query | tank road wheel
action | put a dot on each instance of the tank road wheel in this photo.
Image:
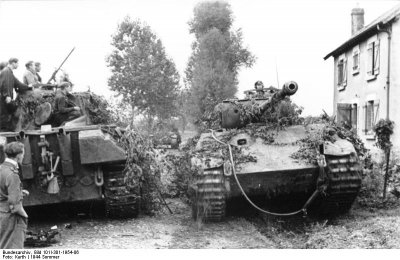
(344, 183)
(208, 198)
(121, 202)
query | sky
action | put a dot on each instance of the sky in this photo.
(288, 37)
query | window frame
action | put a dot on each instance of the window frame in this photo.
(371, 106)
(347, 111)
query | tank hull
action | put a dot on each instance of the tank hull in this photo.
(267, 170)
(74, 164)
(72, 189)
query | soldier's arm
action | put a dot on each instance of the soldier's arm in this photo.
(3, 86)
(62, 105)
(3, 90)
(13, 184)
(19, 86)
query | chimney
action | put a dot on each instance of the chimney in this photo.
(357, 20)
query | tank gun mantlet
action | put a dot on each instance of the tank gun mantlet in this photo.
(263, 93)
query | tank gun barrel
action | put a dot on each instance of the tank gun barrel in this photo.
(288, 89)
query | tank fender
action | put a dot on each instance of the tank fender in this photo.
(3, 141)
(27, 169)
(64, 141)
(339, 148)
(98, 147)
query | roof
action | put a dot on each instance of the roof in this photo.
(367, 31)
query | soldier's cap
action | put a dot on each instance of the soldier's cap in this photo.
(12, 60)
(13, 149)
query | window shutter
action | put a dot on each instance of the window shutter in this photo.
(376, 58)
(365, 118)
(370, 116)
(340, 72)
(356, 61)
(354, 116)
(376, 111)
(369, 58)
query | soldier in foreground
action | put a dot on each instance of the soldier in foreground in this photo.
(13, 218)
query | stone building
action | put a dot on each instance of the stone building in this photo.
(367, 75)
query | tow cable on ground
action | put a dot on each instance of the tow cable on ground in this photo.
(320, 189)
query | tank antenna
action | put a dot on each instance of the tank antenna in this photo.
(277, 75)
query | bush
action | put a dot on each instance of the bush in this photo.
(373, 181)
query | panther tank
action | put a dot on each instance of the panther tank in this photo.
(248, 161)
(75, 162)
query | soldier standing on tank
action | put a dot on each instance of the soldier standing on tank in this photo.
(8, 82)
(30, 77)
(13, 217)
(65, 110)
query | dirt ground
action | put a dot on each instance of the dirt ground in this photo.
(358, 229)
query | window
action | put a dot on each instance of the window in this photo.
(341, 73)
(347, 115)
(356, 60)
(373, 59)
(371, 112)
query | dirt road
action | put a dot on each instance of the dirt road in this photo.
(161, 231)
(358, 229)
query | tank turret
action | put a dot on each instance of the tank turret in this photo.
(262, 97)
(36, 107)
(73, 162)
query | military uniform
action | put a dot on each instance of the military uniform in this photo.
(64, 109)
(12, 226)
(8, 82)
(30, 77)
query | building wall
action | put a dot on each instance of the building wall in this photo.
(394, 99)
(359, 90)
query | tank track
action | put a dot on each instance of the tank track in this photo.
(120, 202)
(344, 183)
(209, 198)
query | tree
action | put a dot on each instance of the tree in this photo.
(142, 73)
(218, 54)
(383, 130)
